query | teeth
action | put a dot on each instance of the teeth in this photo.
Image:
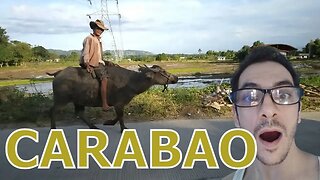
(270, 136)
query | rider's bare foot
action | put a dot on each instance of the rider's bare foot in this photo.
(106, 108)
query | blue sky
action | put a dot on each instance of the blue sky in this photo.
(166, 26)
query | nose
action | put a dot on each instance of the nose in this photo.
(268, 108)
(174, 79)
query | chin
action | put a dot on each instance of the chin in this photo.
(271, 158)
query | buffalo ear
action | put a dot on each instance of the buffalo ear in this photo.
(150, 74)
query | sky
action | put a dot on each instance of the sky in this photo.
(163, 26)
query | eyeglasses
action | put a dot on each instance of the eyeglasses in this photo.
(250, 97)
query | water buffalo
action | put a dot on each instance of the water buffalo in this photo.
(76, 85)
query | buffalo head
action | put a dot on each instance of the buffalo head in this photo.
(158, 75)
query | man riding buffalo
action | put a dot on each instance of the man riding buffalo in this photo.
(92, 58)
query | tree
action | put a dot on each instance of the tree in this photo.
(230, 54)
(5, 52)
(162, 57)
(63, 57)
(257, 43)
(4, 39)
(6, 55)
(313, 48)
(107, 55)
(74, 56)
(317, 47)
(242, 53)
(21, 52)
(53, 56)
(175, 57)
(40, 53)
(209, 53)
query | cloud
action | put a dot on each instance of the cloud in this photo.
(172, 26)
(50, 19)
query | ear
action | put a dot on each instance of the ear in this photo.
(299, 113)
(235, 116)
(150, 74)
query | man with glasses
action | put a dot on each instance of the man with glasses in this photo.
(92, 58)
(267, 102)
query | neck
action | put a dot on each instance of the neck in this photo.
(142, 83)
(290, 168)
(95, 35)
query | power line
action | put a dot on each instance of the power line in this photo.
(105, 15)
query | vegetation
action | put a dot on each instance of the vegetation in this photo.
(23, 81)
(20, 63)
(17, 106)
(311, 99)
(15, 53)
(313, 48)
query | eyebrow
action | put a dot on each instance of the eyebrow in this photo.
(284, 83)
(248, 84)
(254, 85)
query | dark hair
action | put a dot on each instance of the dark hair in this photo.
(263, 54)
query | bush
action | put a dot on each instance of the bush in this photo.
(17, 106)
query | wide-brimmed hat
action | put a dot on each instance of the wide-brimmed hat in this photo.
(97, 23)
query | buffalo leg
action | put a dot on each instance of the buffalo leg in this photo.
(52, 117)
(79, 112)
(119, 117)
(54, 112)
(119, 112)
(111, 122)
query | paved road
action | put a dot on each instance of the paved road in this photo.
(308, 134)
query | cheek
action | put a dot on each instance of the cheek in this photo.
(290, 117)
(289, 114)
(247, 118)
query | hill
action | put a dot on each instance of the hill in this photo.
(126, 52)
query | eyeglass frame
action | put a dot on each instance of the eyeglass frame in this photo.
(300, 94)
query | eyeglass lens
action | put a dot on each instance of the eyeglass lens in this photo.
(253, 97)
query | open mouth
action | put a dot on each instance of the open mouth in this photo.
(270, 136)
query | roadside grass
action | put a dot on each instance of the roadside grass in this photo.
(311, 81)
(31, 70)
(23, 81)
(17, 106)
(311, 101)
(188, 70)
(178, 103)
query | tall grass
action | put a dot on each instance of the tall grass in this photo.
(18, 106)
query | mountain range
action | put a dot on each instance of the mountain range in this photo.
(125, 52)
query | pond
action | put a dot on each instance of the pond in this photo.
(183, 82)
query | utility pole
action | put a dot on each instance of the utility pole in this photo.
(105, 15)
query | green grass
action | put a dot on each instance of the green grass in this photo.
(16, 106)
(311, 80)
(29, 70)
(23, 81)
(153, 104)
(189, 70)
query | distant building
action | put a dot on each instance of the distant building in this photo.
(303, 56)
(284, 48)
(221, 58)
